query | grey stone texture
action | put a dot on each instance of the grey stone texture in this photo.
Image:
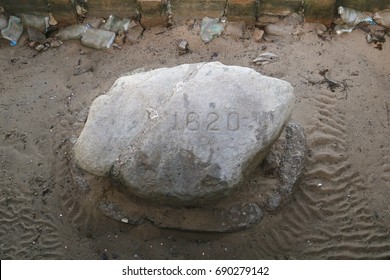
(234, 218)
(290, 166)
(186, 135)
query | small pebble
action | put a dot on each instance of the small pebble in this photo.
(56, 44)
(120, 38)
(39, 47)
(52, 20)
(320, 29)
(183, 47)
(116, 46)
(258, 34)
(369, 38)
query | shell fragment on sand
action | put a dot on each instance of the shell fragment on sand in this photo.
(265, 58)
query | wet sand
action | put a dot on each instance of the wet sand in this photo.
(339, 210)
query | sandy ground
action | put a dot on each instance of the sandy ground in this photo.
(341, 208)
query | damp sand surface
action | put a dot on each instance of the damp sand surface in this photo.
(339, 210)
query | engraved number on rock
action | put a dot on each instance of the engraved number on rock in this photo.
(212, 118)
(193, 121)
(175, 127)
(233, 121)
(212, 121)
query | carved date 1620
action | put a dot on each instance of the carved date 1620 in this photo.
(208, 121)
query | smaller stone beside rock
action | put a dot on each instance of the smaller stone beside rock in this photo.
(183, 47)
(234, 218)
(290, 166)
(293, 162)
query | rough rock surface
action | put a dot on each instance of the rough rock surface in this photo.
(185, 135)
(234, 218)
(291, 165)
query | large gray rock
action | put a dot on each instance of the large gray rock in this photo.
(185, 135)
